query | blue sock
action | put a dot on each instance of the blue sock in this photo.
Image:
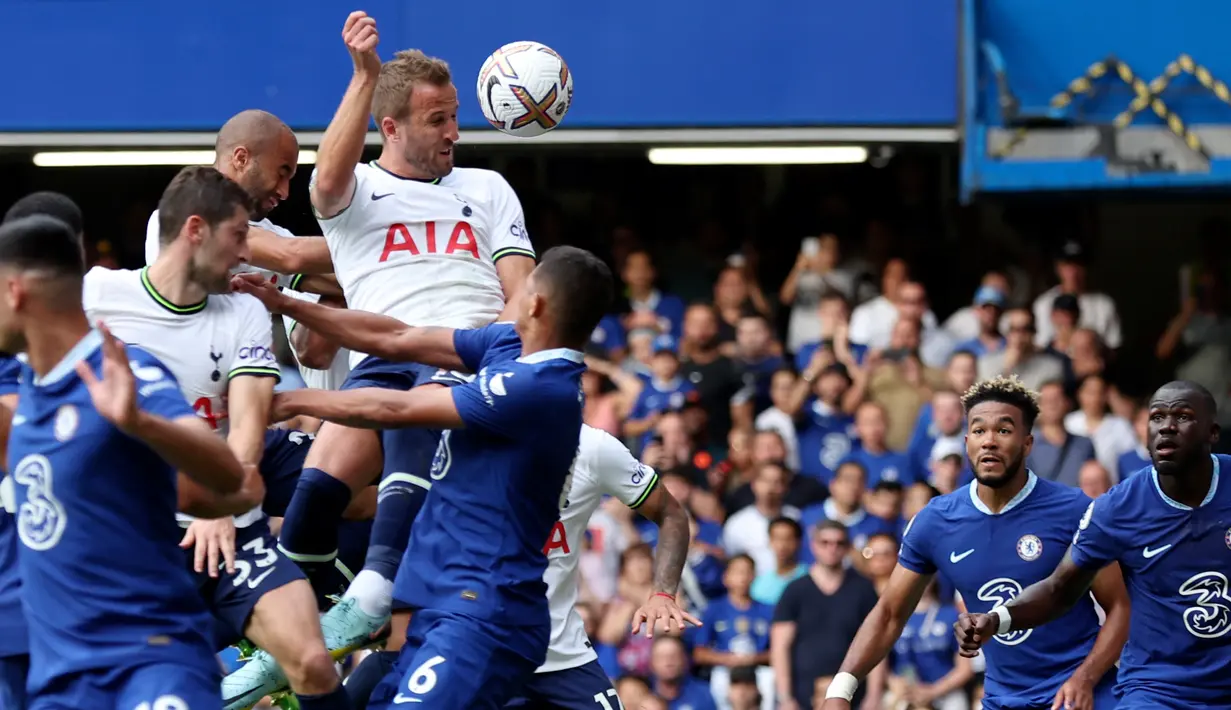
(363, 680)
(396, 508)
(403, 487)
(334, 700)
(310, 529)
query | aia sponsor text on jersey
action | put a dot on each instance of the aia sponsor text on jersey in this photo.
(429, 238)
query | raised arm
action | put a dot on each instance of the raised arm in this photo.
(341, 147)
(369, 333)
(373, 408)
(879, 631)
(288, 255)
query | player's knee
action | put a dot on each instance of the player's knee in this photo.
(310, 670)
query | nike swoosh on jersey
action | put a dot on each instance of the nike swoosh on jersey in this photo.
(376, 197)
(1148, 553)
(956, 558)
(399, 699)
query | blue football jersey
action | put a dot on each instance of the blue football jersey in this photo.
(927, 645)
(12, 620)
(498, 484)
(990, 558)
(104, 582)
(826, 438)
(1176, 562)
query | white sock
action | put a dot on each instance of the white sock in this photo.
(372, 592)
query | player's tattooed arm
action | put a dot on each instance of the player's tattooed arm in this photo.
(373, 408)
(333, 186)
(370, 333)
(662, 610)
(288, 255)
(662, 509)
(881, 628)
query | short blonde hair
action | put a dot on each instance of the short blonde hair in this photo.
(1005, 390)
(398, 77)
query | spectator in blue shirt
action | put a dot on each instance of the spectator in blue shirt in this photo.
(881, 464)
(756, 356)
(735, 632)
(948, 419)
(884, 501)
(649, 306)
(825, 432)
(835, 313)
(927, 668)
(672, 681)
(664, 391)
(608, 339)
(1056, 454)
(845, 505)
(785, 538)
(989, 305)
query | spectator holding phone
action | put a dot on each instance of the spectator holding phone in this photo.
(815, 273)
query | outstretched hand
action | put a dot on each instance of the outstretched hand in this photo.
(662, 608)
(114, 393)
(261, 288)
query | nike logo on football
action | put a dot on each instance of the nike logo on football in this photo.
(1148, 553)
(376, 197)
(956, 558)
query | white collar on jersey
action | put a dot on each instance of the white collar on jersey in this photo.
(554, 354)
(1177, 504)
(831, 511)
(1031, 481)
(85, 347)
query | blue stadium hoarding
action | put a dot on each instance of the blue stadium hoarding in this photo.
(139, 65)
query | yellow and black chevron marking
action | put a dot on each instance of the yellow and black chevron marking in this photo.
(1080, 86)
(1147, 96)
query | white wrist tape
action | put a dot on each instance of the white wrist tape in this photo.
(1006, 621)
(842, 686)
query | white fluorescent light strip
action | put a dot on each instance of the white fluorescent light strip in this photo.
(760, 155)
(122, 158)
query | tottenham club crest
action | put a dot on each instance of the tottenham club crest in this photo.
(1029, 548)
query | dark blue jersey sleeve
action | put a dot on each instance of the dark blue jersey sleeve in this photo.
(1095, 545)
(501, 400)
(473, 345)
(158, 392)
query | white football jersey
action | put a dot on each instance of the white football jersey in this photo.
(204, 345)
(604, 466)
(425, 252)
(153, 245)
(339, 369)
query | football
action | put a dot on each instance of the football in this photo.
(525, 88)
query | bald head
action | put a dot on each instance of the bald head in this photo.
(1189, 391)
(260, 152)
(254, 129)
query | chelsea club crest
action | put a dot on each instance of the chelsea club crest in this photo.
(1029, 548)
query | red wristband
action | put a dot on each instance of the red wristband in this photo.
(663, 594)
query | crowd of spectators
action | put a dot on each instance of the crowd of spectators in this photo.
(802, 427)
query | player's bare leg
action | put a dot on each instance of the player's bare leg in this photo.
(284, 624)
